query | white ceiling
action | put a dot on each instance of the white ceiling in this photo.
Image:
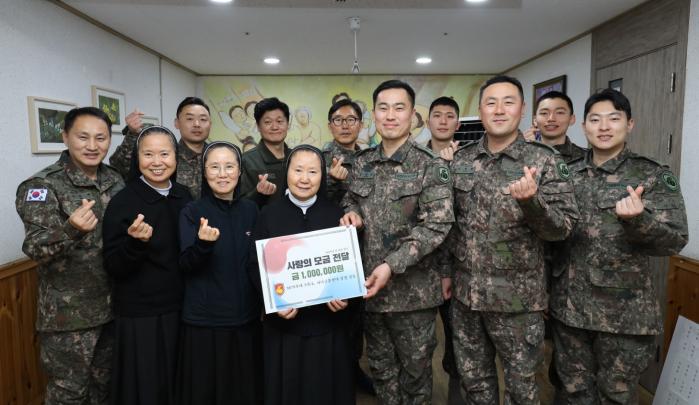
(313, 36)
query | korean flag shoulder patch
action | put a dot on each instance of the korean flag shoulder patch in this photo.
(37, 194)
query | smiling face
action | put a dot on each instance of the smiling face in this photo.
(157, 160)
(222, 172)
(501, 109)
(273, 127)
(393, 114)
(88, 142)
(304, 175)
(443, 122)
(553, 117)
(194, 124)
(345, 134)
(606, 128)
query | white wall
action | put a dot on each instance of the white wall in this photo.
(51, 53)
(573, 60)
(690, 139)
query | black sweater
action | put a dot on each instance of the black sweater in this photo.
(280, 218)
(218, 290)
(146, 275)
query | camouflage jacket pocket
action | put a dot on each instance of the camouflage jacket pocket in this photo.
(519, 254)
(463, 182)
(609, 224)
(609, 277)
(406, 189)
(362, 188)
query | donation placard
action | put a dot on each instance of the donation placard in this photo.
(310, 268)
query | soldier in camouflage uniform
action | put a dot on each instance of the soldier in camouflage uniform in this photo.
(401, 193)
(605, 308)
(554, 115)
(61, 208)
(194, 123)
(510, 197)
(344, 122)
(263, 179)
(443, 122)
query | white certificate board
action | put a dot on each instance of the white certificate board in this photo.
(310, 268)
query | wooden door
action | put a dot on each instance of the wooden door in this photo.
(650, 83)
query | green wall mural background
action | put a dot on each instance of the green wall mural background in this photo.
(232, 100)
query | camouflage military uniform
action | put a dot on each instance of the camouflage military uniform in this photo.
(74, 300)
(603, 299)
(188, 162)
(499, 281)
(406, 203)
(569, 152)
(338, 188)
(257, 161)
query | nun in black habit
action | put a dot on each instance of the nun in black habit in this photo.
(141, 254)
(308, 352)
(221, 354)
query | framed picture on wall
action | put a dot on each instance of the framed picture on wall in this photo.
(46, 118)
(555, 84)
(113, 103)
(149, 121)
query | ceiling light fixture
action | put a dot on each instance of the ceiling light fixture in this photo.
(476, 1)
(423, 60)
(354, 27)
(221, 1)
(271, 60)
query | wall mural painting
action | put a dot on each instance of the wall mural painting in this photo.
(232, 100)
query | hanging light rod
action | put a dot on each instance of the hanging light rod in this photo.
(354, 27)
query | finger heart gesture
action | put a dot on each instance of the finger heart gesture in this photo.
(526, 187)
(140, 229)
(631, 206)
(206, 232)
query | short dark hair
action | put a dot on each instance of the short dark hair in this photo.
(344, 103)
(191, 101)
(270, 104)
(73, 114)
(447, 101)
(617, 98)
(394, 84)
(555, 94)
(501, 79)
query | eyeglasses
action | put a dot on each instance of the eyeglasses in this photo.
(350, 121)
(216, 169)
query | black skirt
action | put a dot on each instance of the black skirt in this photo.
(220, 365)
(309, 370)
(144, 360)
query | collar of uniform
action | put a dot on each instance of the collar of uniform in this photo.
(611, 165)
(186, 152)
(267, 155)
(566, 148)
(149, 195)
(513, 150)
(105, 179)
(398, 156)
(337, 149)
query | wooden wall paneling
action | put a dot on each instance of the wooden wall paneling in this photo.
(650, 26)
(682, 294)
(644, 47)
(21, 379)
